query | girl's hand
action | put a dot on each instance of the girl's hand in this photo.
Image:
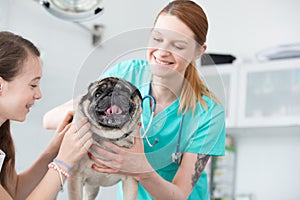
(120, 160)
(59, 134)
(76, 142)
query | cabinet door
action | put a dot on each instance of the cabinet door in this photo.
(270, 94)
(221, 81)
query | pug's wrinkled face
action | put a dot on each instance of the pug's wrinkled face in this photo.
(112, 103)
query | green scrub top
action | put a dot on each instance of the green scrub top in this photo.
(202, 132)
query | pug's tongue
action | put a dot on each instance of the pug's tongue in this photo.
(114, 109)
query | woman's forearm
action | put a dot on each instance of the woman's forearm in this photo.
(159, 188)
(54, 117)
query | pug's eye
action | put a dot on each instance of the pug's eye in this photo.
(97, 94)
(103, 87)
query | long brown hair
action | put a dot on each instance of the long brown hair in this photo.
(194, 17)
(14, 50)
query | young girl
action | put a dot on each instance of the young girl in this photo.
(20, 74)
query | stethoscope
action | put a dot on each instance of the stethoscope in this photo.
(177, 156)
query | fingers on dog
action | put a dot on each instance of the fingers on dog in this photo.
(66, 128)
(86, 139)
(97, 149)
(67, 120)
(80, 124)
(137, 133)
(69, 117)
(83, 130)
(103, 152)
(112, 147)
(88, 143)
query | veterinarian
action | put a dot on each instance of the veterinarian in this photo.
(188, 126)
(20, 74)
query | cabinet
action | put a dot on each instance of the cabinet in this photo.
(269, 94)
(257, 95)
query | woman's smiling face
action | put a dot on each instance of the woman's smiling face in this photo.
(171, 46)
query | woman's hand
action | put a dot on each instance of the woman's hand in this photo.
(76, 141)
(120, 160)
(52, 119)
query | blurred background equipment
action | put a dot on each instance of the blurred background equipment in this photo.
(216, 59)
(285, 51)
(221, 171)
(77, 11)
(73, 10)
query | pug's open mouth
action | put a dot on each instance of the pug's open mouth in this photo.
(114, 111)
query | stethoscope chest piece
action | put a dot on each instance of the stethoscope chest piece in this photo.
(177, 157)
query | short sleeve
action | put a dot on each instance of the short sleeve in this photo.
(128, 70)
(116, 70)
(209, 137)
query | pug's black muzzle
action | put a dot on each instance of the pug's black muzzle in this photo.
(113, 108)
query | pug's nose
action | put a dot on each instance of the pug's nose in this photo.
(114, 109)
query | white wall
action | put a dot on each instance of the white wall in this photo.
(267, 165)
(236, 26)
(243, 28)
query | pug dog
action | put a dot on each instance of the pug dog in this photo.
(113, 108)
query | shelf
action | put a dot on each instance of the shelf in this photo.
(264, 131)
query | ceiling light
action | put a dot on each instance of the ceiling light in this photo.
(73, 10)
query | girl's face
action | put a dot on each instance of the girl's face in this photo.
(17, 96)
(171, 47)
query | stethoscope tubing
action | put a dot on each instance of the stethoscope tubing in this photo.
(176, 157)
(153, 108)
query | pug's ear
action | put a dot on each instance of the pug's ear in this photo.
(93, 84)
